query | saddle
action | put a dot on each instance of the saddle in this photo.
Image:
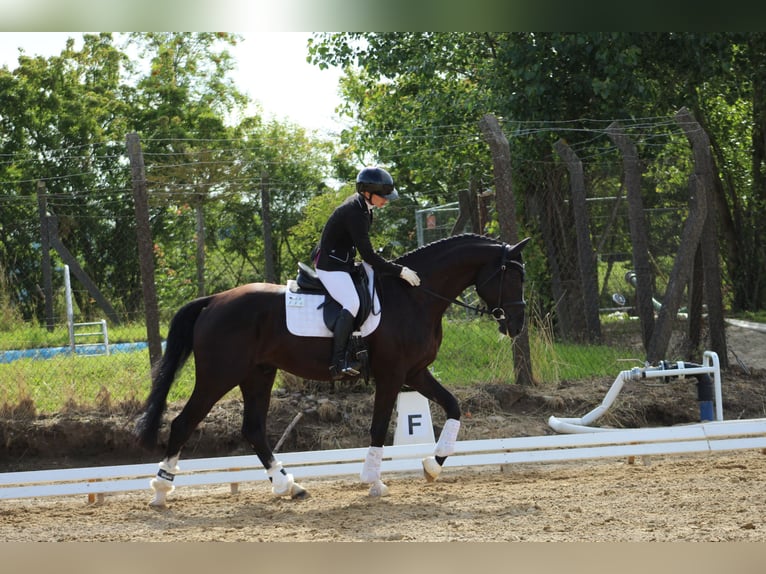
(308, 286)
(308, 282)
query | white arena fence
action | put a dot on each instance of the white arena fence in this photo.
(708, 437)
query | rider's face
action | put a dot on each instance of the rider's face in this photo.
(377, 200)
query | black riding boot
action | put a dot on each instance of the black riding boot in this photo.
(341, 366)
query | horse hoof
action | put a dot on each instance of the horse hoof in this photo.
(431, 469)
(161, 489)
(378, 489)
(158, 503)
(297, 492)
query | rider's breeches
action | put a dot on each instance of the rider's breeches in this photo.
(341, 288)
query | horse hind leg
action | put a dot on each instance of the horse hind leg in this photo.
(180, 430)
(256, 395)
(162, 484)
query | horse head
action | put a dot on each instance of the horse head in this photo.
(500, 284)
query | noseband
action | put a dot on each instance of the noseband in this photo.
(498, 313)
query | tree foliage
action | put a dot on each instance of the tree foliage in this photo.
(407, 90)
(59, 116)
(63, 122)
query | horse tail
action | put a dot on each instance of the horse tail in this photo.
(178, 347)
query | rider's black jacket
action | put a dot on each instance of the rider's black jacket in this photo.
(347, 232)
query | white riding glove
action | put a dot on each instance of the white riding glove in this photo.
(410, 276)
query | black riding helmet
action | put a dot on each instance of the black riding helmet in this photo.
(378, 181)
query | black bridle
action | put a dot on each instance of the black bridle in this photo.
(498, 312)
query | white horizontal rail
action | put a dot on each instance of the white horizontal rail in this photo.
(698, 438)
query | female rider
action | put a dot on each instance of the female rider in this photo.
(346, 233)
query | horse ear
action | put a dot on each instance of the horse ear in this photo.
(520, 245)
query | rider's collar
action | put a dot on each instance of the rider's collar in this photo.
(366, 201)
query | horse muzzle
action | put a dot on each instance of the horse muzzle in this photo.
(511, 330)
(512, 325)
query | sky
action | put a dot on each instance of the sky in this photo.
(271, 69)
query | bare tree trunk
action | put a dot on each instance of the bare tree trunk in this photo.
(546, 206)
(585, 255)
(506, 209)
(679, 276)
(473, 201)
(79, 272)
(711, 266)
(484, 199)
(145, 251)
(696, 296)
(468, 210)
(639, 237)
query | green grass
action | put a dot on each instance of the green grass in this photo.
(65, 381)
(472, 352)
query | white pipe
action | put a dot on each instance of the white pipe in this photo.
(599, 411)
(659, 372)
(707, 357)
(572, 426)
(582, 424)
(610, 397)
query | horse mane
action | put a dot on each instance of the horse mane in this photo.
(425, 250)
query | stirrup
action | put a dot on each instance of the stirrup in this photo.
(338, 372)
(350, 371)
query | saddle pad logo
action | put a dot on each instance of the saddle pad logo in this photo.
(295, 300)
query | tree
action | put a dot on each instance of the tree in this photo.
(296, 165)
(403, 88)
(417, 101)
(182, 104)
(58, 115)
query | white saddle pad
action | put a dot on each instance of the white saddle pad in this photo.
(305, 317)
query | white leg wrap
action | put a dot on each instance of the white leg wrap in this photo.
(371, 469)
(162, 484)
(448, 437)
(281, 482)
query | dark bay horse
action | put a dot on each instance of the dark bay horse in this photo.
(239, 338)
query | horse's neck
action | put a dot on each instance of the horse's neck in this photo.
(456, 270)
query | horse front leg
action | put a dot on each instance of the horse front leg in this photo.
(256, 395)
(425, 383)
(386, 391)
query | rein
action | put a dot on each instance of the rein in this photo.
(498, 314)
(479, 310)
